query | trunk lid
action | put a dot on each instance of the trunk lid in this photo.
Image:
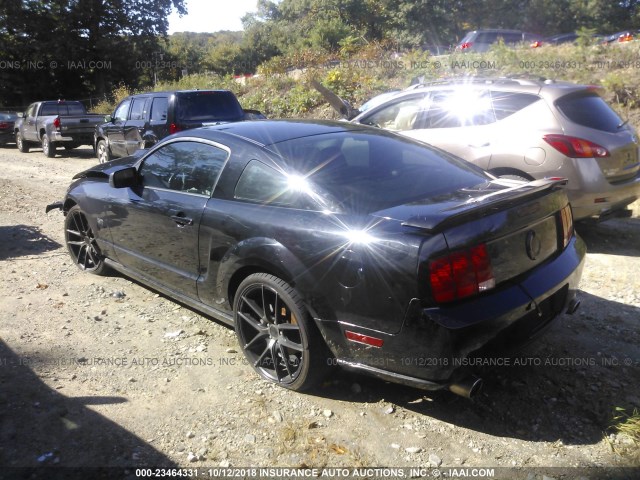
(518, 225)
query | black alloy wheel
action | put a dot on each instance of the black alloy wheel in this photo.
(276, 333)
(81, 242)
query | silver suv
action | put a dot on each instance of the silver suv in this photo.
(524, 129)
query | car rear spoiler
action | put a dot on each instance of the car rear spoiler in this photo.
(482, 206)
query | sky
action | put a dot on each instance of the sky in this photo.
(211, 15)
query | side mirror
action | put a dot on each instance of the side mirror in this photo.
(108, 118)
(125, 178)
(21, 114)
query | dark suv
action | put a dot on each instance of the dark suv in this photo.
(139, 121)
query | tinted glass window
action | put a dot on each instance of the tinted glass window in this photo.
(159, 109)
(122, 110)
(137, 109)
(364, 171)
(207, 106)
(62, 109)
(184, 166)
(508, 103)
(589, 110)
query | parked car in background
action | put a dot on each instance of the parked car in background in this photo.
(54, 123)
(482, 40)
(139, 121)
(619, 37)
(333, 243)
(572, 37)
(7, 122)
(525, 129)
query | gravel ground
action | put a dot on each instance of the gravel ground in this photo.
(101, 371)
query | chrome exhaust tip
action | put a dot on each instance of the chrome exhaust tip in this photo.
(468, 387)
(573, 306)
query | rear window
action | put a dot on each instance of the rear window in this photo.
(589, 110)
(365, 172)
(208, 106)
(62, 109)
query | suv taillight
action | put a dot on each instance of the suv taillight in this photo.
(461, 274)
(574, 147)
(466, 45)
(567, 225)
(173, 128)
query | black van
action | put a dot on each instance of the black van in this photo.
(139, 121)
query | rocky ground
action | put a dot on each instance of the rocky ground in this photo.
(101, 371)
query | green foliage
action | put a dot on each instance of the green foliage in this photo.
(626, 426)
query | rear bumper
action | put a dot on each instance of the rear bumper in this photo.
(77, 138)
(591, 194)
(436, 346)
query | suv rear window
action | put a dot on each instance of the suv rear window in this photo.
(208, 106)
(589, 110)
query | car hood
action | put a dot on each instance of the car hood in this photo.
(434, 214)
(105, 169)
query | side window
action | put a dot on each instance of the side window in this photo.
(263, 184)
(32, 110)
(190, 167)
(459, 108)
(120, 114)
(401, 115)
(159, 109)
(137, 109)
(508, 103)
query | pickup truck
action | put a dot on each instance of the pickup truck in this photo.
(55, 122)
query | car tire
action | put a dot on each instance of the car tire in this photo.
(81, 243)
(48, 147)
(102, 152)
(276, 333)
(21, 143)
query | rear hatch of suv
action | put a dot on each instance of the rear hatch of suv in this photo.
(612, 142)
(207, 107)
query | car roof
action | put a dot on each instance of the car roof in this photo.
(269, 132)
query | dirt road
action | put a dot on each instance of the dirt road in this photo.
(99, 371)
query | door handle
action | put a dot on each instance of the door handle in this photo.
(181, 219)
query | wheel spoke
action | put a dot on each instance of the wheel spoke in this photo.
(79, 243)
(285, 342)
(251, 304)
(262, 355)
(254, 341)
(274, 354)
(275, 309)
(285, 358)
(73, 232)
(253, 323)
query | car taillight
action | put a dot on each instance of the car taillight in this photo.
(56, 123)
(466, 45)
(574, 147)
(4, 125)
(567, 225)
(627, 37)
(461, 274)
(173, 128)
(536, 44)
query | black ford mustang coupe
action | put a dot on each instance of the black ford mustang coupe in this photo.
(328, 243)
